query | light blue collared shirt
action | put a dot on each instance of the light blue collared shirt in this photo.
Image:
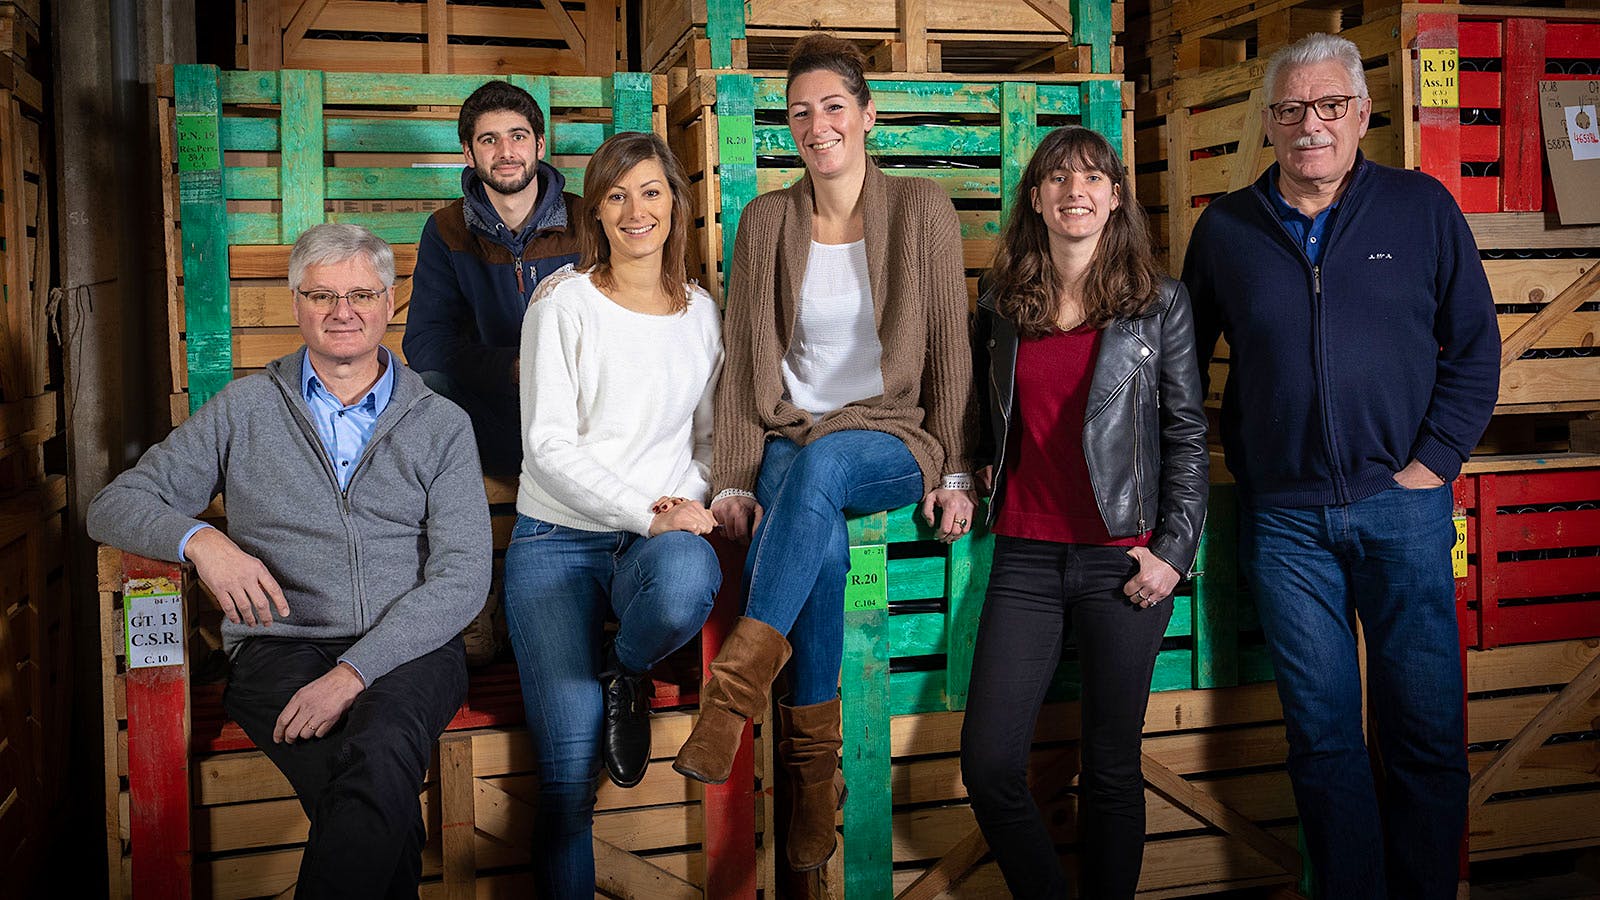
(344, 430)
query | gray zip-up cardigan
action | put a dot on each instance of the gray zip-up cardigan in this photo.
(400, 560)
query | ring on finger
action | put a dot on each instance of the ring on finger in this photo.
(961, 523)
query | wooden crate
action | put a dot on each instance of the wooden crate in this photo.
(19, 36)
(35, 673)
(252, 159)
(925, 610)
(1209, 123)
(192, 808)
(935, 592)
(25, 257)
(906, 36)
(1488, 152)
(1533, 551)
(1533, 733)
(972, 136)
(585, 37)
(1220, 811)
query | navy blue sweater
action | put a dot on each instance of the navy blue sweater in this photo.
(1343, 373)
(473, 279)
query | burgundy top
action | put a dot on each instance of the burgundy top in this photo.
(1048, 495)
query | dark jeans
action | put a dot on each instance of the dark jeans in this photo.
(359, 783)
(795, 570)
(1313, 570)
(496, 422)
(560, 584)
(1038, 590)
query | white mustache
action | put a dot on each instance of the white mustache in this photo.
(1307, 141)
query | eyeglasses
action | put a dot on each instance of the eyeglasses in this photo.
(362, 300)
(1329, 108)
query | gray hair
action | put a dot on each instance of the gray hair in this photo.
(335, 242)
(1313, 49)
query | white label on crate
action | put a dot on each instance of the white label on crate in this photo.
(1440, 77)
(1583, 131)
(154, 623)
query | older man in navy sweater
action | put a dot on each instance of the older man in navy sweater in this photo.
(1364, 366)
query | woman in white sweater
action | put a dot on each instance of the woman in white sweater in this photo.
(619, 363)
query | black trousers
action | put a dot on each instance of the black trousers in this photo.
(359, 783)
(1038, 590)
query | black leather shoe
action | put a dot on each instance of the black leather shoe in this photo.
(625, 736)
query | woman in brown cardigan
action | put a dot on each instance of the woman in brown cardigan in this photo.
(847, 389)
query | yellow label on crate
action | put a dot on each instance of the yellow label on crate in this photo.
(1439, 78)
(1458, 553)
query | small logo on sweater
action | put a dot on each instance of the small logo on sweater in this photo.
(1379, 256)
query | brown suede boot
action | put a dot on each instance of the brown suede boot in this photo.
(810, 752)
(740, 688)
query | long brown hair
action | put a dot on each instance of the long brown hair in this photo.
(1122, 278)
(612, 160)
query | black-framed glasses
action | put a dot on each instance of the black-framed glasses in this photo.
(1329, 108)
(362, 300)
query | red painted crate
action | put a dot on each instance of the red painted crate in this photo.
(1502, 62)
(1533, 544)
(164, 841)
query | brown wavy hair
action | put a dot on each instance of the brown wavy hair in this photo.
(1122, 279)
(612, 160)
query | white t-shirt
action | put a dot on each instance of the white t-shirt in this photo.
(616, 405)
(834, 357)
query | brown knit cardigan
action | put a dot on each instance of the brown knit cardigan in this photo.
(919, 295)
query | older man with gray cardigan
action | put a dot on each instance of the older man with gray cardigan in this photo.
(358, 546)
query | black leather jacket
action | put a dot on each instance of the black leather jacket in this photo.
(1144, 434)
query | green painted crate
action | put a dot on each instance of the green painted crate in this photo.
(974, 136)
(252, 159)
(907, 36)
(912, 608)
(934, 594)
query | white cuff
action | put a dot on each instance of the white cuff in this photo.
(956, 481)
(732, 492)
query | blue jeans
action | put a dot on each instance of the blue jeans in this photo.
(1386, 558)
(560, 583)
(798, 560)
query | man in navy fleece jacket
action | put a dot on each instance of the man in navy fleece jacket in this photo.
(1364, 366)
(479, 260)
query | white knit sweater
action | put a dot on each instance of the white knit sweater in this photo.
(616, 405)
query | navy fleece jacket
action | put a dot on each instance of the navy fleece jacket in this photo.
(1343, 373)
(473, 279)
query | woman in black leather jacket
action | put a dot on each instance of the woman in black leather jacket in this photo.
(1098, 443)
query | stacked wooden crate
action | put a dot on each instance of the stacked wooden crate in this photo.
(435, 36)
(35, 697)
(222, 821)
(1529, 612)
(912, 36)
(1220, 812)
(251, 159)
